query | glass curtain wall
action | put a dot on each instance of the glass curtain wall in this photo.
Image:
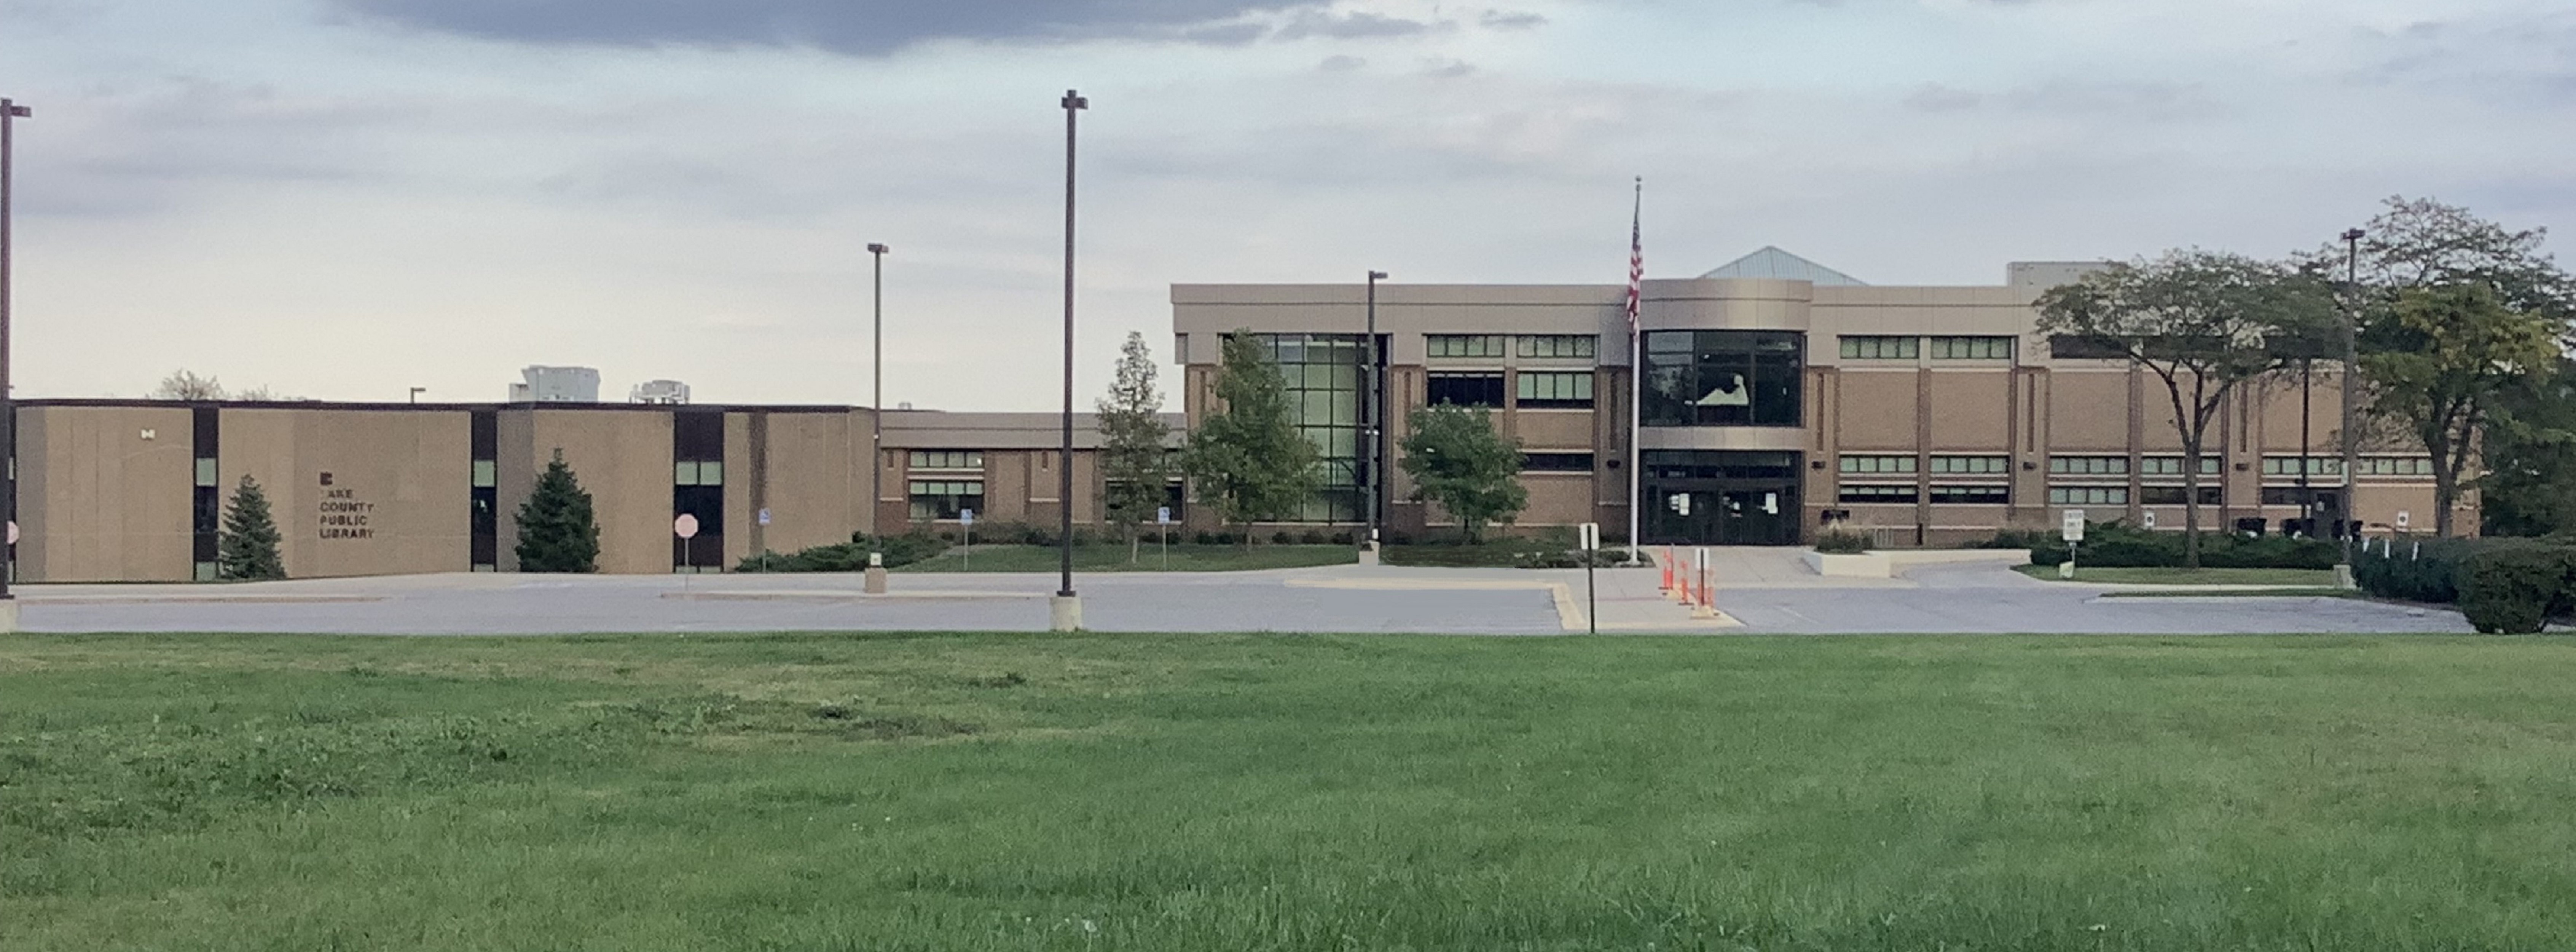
(1323, 374)
(1723, 378)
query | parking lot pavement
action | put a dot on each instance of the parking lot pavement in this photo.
(1948, 599)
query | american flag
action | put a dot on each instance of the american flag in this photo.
(1636, 257)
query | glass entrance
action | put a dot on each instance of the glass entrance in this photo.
(1699, 497)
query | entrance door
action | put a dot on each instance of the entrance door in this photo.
(1754, 517)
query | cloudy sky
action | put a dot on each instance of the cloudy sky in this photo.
(344, 198)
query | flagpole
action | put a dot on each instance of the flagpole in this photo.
(1636, 366)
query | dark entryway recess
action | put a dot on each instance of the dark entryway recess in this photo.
(483, 525)
(1720, 497)
(207, 504)
(697, 488)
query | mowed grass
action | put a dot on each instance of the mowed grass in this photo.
(1223, 793)
(2292, 578)
(1182, 557)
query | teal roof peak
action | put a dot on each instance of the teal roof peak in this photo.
(1771, 262)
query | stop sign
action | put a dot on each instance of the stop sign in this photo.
(686, 526)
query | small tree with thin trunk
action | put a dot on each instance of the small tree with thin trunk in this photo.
(2204, 323)
(186, 385)
(1247, 456)
(1135, 463)
(1458, 460)
(557, 532)
(247, 549)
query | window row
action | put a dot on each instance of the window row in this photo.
(2333, 466)
(1556, 462)
(947, 459)
(1868, 463)
(1527, 345)
(937, 499)
(1568, 389)
(1907, 347)
(1939, 495)
(697, 473)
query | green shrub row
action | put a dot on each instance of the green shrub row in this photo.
(2120, 545)
(851, 556)
(2504, 586)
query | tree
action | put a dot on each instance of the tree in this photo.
(2430, 345)
(556, 530)
(2205, 323)
(1247, 454)
(186, 385)
(247, 548)
(2420, 243)
(2440, 361)
(1135, 463)
(1457, 460)
(2529, 447)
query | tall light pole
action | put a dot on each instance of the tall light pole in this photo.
(1373, 421)
(416, 392)
(10, 113)
(1065, 612)
(2351, 390)
(876, 402)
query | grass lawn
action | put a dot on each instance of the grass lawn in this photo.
(1113, 558)
(2297, 578)
(1207, 793)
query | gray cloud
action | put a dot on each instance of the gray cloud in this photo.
(878, 27)
(1510, 20)
(1934, 97)
(1341, 64)
(1354, 26)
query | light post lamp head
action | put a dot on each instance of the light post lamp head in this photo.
(20, 112)
(2353, 235)
(877, 249)
(1074, 100)
(1377, 275)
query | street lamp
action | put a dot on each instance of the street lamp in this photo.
(1373, 419)
(416, 392)
(876, 403)
(1065, 610)
(10, 113)
(2351, 390)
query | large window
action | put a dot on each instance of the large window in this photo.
(1856, 492)
(1965, 465)
(1972, 348)
(1723, 378)
(2174, 495)
(2088, 495)
(1463, 345)
(1465, 390)
(2089, 465)
(1556, 462)
(2289, 466)
(1877, 347)
(1877, 463)
(2172, 466)
(1556, 389)
(936, 499)
(1323, 374)
(947, 459)
(2396, 466)
(1559, 345)
(1972, 495)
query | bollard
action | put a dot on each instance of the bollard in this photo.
(876, 576)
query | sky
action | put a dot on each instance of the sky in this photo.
(343, 199)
